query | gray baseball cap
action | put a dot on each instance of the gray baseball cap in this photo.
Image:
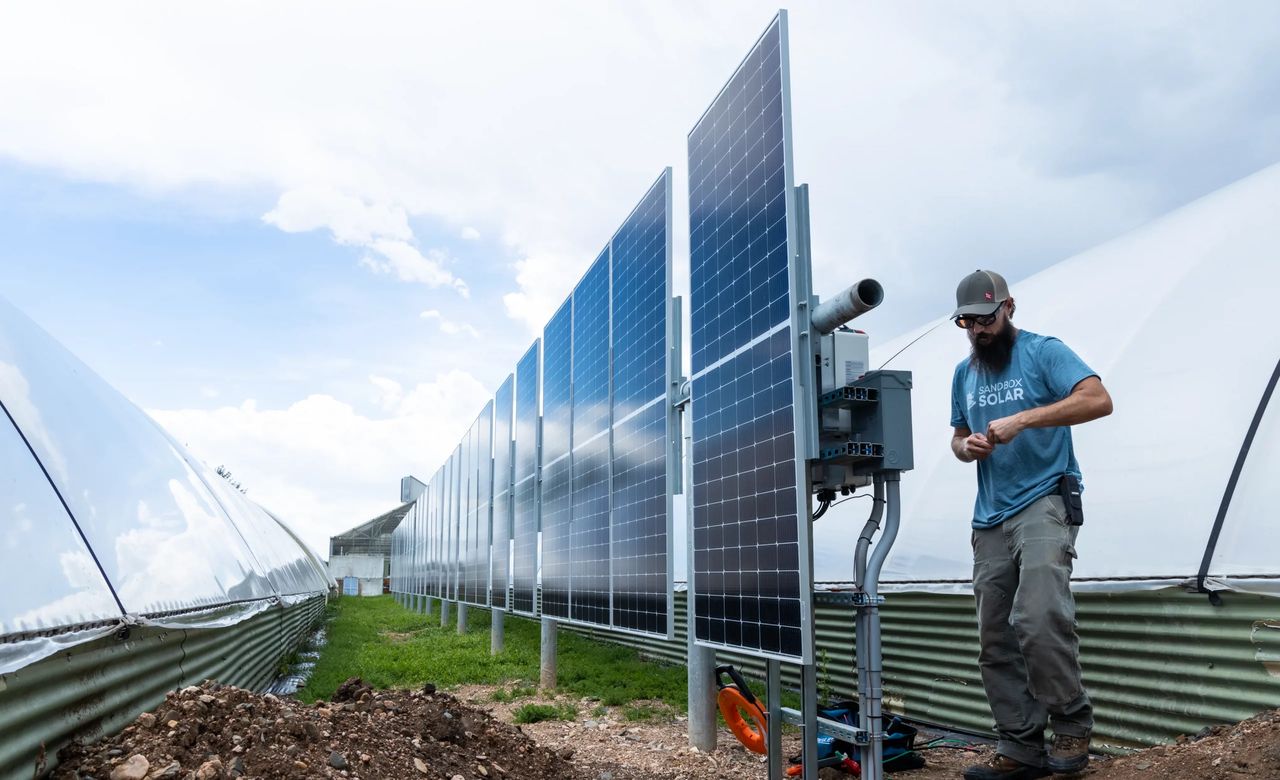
(981, 293)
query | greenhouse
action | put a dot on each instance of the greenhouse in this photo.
(135, 569)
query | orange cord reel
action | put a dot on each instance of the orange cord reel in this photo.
(742, 711)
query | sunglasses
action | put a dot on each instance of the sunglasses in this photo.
(968, 321)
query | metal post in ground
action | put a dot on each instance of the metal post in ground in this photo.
(444, 613)
(547, 668)
(496, 631)
(430, 608)
(702, 696)
(462, 617)
(773, 729)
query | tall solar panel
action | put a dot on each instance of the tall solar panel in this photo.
(557, 461)
(482, 458)
(499, 568)
(525, 517)
(751, 579)
(453, 531)
(643, 416)
(589, 593)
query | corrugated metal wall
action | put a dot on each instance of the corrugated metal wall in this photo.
(99, 687)
(1157, 663)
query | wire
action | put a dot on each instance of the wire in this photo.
(822, 509)
(913, 341)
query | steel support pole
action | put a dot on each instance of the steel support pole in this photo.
(809, 708)
(430, 607)
(773, 729)
(497, 637)
(702, 660)
(444, 613)
(547, 667)
(462, 617)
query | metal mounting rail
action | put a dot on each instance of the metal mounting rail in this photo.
(832, 728)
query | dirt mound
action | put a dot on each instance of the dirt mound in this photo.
(1250, 749)
(214, 732)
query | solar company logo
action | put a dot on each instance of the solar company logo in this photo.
(989, 296)
(1002, 392)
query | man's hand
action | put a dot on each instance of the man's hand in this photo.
(1004, 430)
(976, 447)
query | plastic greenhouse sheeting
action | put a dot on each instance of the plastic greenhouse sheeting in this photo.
(1176, 318)
(110, 519)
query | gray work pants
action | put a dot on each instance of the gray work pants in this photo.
(1030, 657)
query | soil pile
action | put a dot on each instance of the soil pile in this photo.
(215, 732)
(1249, 750)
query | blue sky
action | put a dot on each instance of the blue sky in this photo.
(311, 239)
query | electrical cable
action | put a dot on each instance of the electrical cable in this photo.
(913, 341)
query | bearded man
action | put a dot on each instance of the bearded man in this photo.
(1013, 401)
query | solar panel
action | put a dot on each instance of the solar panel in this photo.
(589, 537)
(750, 576)
(475, 555)
(454, 525)
(557, 474)
(524, 548)
(499, 569)
(642, 416)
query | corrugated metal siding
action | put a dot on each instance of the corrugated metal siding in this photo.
(99, 687)
(1157, 664)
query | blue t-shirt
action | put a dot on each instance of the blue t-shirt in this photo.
(1042, 370)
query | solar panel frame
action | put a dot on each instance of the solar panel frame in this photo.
(526, 510)
(645, 370)
(727, 341)
(503, 470)
(484, 507)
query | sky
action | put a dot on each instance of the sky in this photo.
(310, 239)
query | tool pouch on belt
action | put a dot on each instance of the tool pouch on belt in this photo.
(1069, 489)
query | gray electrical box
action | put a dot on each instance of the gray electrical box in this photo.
(878, 433)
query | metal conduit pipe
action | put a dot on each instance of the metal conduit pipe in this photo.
(868, 531)
(875, 661)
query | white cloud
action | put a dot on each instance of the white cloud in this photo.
(934, 138)
(448, 326)
(470, 234)
(352, 220)
(322, 465)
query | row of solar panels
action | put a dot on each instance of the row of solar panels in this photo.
(573, 444)
(600, 485)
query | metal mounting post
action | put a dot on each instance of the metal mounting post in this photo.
(547, 667)
(497, 636)
(462, 617)
(444, 613)
(773, 729)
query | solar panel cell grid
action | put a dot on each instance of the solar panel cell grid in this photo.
(749, 579)
(589, 527)
(499, 571)
(524, 553)
(557, 474)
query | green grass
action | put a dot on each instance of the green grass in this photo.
(534, 713)
(390, 647)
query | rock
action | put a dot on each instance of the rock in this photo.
(147, 720)
(311, 730)
(605, 775)
(458, 777)
(1143, 765)
(420, 765)
(113, 752)
(483, 772)
(133, 768)
(365, 758)
(190, 690)
(210, 770)
(167, 773)
(207, 699)
(300, 764)
(337, 760)
(236, 767)
(173, 724)
(428, 689)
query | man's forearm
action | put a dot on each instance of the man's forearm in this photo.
(1079, 407)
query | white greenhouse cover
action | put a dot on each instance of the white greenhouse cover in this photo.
(1179, 320)
(108, 520)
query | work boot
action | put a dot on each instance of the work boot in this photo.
(1068, 754)
(1000, 767)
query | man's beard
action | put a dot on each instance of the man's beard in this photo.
(993, 351)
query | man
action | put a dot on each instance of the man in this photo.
(1012, 402)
